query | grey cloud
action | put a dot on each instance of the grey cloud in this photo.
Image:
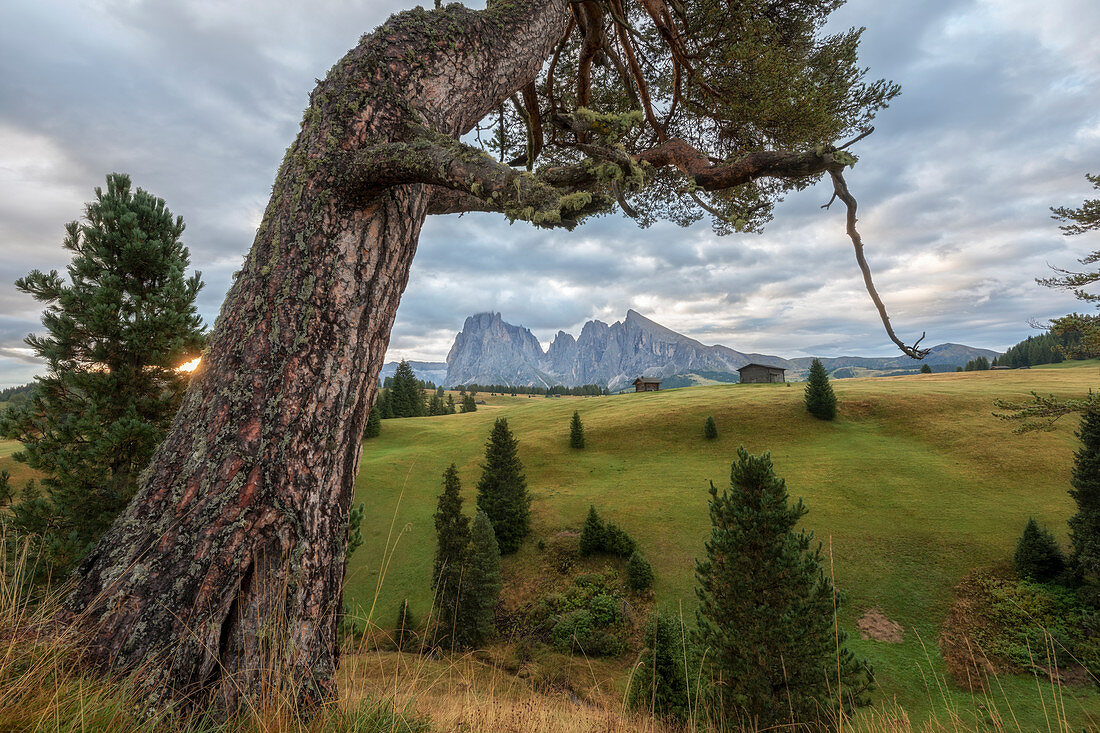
(199, 100)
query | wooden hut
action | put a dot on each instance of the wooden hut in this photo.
(761, 373)
(647, 384)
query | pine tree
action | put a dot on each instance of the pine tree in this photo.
(435, 405)
(481, 586)
(592, 534)
(660, 684)
(450, 406)
(639, 573)
(406, 398)
(710, 428)
(117, 331)
(405, 628)
(374, 424)
(502, 490)
(468, 404)
(1038, 556)
(820, 400)
(576, 431)
(765, 619)
(925, 369)
(452, 532)
(1084, 525)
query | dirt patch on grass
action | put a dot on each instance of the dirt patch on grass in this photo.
(875, 625)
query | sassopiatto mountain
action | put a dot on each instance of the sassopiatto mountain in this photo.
(489, 350)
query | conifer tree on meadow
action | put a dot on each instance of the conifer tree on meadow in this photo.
(117, 329)
(925, 369)
(449, 407)
(661, 684)
(710, 428)
(452, 531)
(481, 586)
(502, 490)
(820, 400)
(468, 404)
(406, 397)
(592, 534)
(765, 618)
(374, 424)
(1084, 525)
(1038, 556)
(576, 431)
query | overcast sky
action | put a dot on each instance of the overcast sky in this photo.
(197, 101)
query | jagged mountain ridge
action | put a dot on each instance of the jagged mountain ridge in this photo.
(489, 350)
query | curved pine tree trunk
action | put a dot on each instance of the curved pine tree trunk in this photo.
(228, 563)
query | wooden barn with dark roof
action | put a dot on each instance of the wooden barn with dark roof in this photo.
(761, 373)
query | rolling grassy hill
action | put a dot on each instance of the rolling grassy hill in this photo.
(914, 485)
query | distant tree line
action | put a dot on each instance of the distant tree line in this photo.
(981, 364)
(1048, 348)
(585, 390)
(16, 395)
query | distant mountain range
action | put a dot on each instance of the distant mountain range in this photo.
(489, 350)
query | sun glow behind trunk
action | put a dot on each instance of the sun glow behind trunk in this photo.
(189, 366)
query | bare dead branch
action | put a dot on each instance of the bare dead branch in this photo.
(840, 190)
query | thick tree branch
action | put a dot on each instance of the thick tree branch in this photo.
(480, 182)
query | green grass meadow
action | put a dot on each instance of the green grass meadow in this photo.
(915, 484)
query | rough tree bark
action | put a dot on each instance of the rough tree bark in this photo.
(228, 564)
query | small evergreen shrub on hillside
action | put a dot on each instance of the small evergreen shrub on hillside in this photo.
(598, 537)
(639, 573)
(820, 400)
(405, 637)
(925, 369)
(660, 683)
(576, 431)
(710, 428)
(617, 541)
(1038, 556)
(592, 536)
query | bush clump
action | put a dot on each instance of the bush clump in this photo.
(710, 428)
(598, 537)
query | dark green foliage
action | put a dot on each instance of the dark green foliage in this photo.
(1010, 619)
(765, 618)
(660, 680)
(346, 626)
(588, 618)
(617, 541)
(382, 405)
(576, 431)
(452, 532)
(598, 537)
(820, 400)
(980, 364)
(1038, 556)
(710, 428)
(502, 490)
(480, 586)
(925, 369)
(585, 390)
(405, 629)
(406, 397)
(468, 404)
(449, 407)
(639, 573)
(1034, 350)
(116, 331)
(374, 424)
(1084, 525)
(592, 534)
(435, 405)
